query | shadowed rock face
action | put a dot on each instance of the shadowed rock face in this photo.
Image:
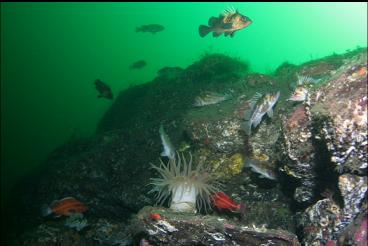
(303, 143)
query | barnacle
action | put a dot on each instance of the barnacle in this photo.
(186, 186)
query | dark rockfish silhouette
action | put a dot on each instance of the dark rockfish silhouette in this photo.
(138, 65)
(228, 23)
(152, 28)
(103, 89)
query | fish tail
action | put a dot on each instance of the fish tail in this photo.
(247, 127)
(204, 30)
(228, 95)
(247, 124)
(246, 163)
(45, 210)
(161, 130)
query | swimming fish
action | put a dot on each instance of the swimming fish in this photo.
(152, 28)
(260, 105)
(138, 65)
(169, 149)
(299, 95)
(228, 23)
(66, 206)
(301, 91)
(103, 89)
(222, 201)
(261, 167)
(209, 98)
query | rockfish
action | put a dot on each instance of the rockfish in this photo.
(228, 23)
(301, 90)
(209, 98)
(260, 105)
(103, 89)
(222, 201)
(169, 149)
(261, 167)
(66, 206)
(300, 94)
(152, 28)
(138, 65)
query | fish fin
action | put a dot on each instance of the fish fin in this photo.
(228, 96)
(232, 34)
(161, 131)
(254, 99)
(270, 113)
(230, 11)
(226, 34)
(216, 34)
(46, 210)
(204, 30)
(67, 198)
(247, 127)
(248, 114)
(54, 203)
(246, 163)
(212, 21)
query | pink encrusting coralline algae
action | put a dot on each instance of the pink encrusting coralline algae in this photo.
(360, 237)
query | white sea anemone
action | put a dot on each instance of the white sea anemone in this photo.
(185, 186)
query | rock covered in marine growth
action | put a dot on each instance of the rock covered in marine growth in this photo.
(118, 157)
(325, 146)
(327, 221)
(334, 117)
(59, 232)
(190, 229)
(327, 130)
(214, 128)
(340, 107)
(320, 221)
(356, 232)
(353, 190)
(299, 148)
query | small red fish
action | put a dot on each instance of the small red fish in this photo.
(66, 206)
(223, 201)
(155, 216)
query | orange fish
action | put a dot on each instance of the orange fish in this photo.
(66, 206)
(223, 201)
(155, 216)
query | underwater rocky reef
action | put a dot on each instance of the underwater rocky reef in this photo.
(314, 151)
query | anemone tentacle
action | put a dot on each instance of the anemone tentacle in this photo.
(183, 183)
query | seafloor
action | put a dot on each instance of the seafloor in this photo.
(317, 148)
